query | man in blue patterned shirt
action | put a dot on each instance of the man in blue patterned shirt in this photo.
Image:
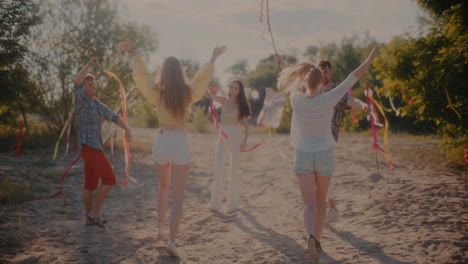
(90, 113)
(344, 104)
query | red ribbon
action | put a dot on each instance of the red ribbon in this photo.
(466, 154)
(61, 180)
(261, 11)
(374, 128)
(403, 94)
(19, 140)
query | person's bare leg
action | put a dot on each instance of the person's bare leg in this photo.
(163, 197)
(88, 202)
(101, 195)
(179, 182)
(308, 189)
(322, 183)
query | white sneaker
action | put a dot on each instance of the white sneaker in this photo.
(172, 250)
(214, 208)
(161, 236)
(332, 215)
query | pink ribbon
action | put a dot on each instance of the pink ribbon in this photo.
(61, 180)
(220, 133)
(374, 128)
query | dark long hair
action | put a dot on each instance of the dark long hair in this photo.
(244, 106)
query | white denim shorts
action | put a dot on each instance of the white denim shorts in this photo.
(171, 147)
(321, 163)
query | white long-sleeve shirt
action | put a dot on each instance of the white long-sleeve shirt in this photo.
(310, 124)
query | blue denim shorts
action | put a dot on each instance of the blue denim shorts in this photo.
(321, 163)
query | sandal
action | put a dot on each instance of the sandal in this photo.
(96, 221)
(91, 224)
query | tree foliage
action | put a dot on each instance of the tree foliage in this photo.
(71, 33)
(18, 92)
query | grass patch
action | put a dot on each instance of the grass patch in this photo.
(11, 192)
(44, 162)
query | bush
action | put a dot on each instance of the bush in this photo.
(453, 144)
(200, 121)
(145, 116)
(11, 192)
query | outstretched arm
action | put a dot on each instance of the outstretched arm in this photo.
(359, 72)
(84, 71)
(143, 79)
(203, 76)
(336, 94)
(125, 127)
(356, 103)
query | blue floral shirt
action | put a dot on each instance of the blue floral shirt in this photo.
(89, 116)
(338, 114)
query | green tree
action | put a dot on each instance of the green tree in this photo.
(18, 92)
(71, 33)
(432, 67)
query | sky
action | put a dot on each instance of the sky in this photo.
(190, 29)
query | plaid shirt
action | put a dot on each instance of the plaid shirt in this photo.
(89, 115)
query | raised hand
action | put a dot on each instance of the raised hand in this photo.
(373, 54)
(92, 62)
(217, 51)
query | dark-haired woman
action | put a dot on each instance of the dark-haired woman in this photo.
(235, 113)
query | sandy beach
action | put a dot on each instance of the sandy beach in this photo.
(416, 213)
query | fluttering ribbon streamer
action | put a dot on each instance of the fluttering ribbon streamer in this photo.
(220, 134)
(128, 157)
(371, 110)
(19, 139)
(63, 132)
(61, 180)
(261, 11)
(370, 101)
(353, 114)
(269, 26)
(397, 112)
(6, 154)
(404, 96)
(375, 115)
(465, 156)
(67, 140)
(452, 107)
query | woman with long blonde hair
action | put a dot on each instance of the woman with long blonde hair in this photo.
(312, 138)
(171, 96)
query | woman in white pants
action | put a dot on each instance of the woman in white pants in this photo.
(235, 113)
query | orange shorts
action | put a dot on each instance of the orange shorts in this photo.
(96, 166)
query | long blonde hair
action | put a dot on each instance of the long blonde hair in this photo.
(176, 95)
(300, 75)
